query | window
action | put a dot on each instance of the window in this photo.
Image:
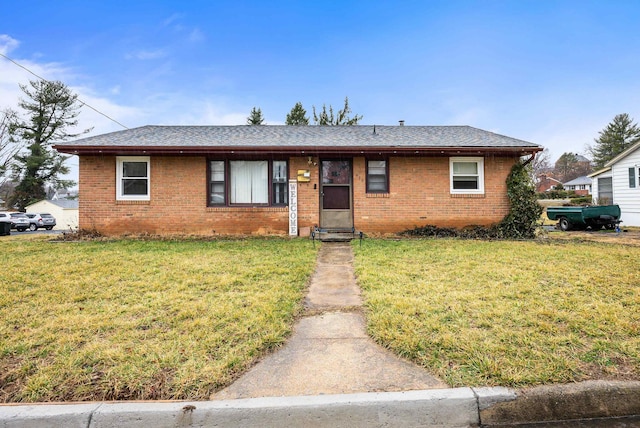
(377, 176)
(279, 182)
(132, 178)
(216, 184)
(632, 177)
(467, 175)
(248, 182)
(605, 190)
(243, 182)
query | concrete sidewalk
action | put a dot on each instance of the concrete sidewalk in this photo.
(331, 374)
(330, 351)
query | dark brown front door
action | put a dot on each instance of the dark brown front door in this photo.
(336, 195)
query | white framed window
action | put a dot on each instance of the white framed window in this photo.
(605, 190)
(377, 176)
(133, 178)
(466, 175)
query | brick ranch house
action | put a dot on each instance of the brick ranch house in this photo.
(285, 179)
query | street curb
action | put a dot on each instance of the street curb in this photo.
(582, 400)
(455, 407)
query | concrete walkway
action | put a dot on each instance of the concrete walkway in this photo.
(330, 351)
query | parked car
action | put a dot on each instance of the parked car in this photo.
(19, 221)
(5, 224)
(41, 220)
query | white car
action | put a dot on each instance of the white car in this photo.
(41, 220)
(5, 224)
(19, 221)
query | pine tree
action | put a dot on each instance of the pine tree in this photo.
(328, 119)
(297, 116)
(619, 135)
(50, 109)
(255, 117)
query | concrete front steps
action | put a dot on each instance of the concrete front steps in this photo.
(336, 235)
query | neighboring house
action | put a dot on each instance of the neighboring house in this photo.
(64, 210)
(619, 183)
(277, 179)
(584, 164)
(580, 185)
(545, 182)
(55, 194)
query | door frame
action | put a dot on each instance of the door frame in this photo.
(344, 217)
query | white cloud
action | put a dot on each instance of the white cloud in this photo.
(173, 19)
(7, 44)
(12, 75)
(176, 109)
(196, 35)
(145, 55)
(98, 112)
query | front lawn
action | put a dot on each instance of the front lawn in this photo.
(142, 319)
(132, 319)
(505, 313)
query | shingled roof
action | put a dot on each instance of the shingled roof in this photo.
(298, 139)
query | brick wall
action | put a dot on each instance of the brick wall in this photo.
(418, 195)
(178, 202)
(308, 193)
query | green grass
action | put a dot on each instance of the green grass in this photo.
(133, 319)
(142, 319)
(505, 313)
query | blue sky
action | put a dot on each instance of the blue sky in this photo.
(547, 71)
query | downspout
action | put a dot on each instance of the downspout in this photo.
(528, 161)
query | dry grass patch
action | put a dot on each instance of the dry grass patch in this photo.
(137, 319)
(505, 313)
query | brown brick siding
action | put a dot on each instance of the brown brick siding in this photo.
(418, 195)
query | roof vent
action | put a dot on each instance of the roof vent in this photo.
(401, 122)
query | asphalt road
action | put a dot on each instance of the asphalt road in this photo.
(36, 232)
(621, 422)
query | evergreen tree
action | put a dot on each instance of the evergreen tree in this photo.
(297, 116)
(50, 109)
(255, 117)
(342, 118)
(619, 135)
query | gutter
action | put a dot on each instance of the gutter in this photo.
(293, 150)
(600, 171)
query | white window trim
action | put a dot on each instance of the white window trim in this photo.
(119, 161)
(480, 189)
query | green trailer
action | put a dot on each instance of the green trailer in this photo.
(595, 217)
